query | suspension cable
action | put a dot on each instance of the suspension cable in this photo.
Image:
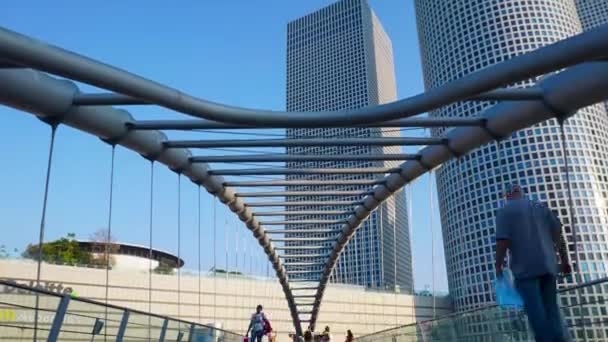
(214, 261)
(395, 258)
(251, 270)
(199, 253)
(179, 245)
(570, 199)
(357, 274)
(364, 272)
(43, 222)
(370, 250)
(109, 239)
(432, 209)
(411, 225)
(381, 244)
(571, 219)
(150, 253)
(236, 261)
(248, 275)
(226, 244)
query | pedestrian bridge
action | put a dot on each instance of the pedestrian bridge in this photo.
(69, 318)
(40, 79)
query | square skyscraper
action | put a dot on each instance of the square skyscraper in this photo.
(339, 58)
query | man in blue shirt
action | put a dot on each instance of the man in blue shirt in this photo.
(532, 232)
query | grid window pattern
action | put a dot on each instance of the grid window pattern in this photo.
(459, 37)
(340, 58)
(592, 13)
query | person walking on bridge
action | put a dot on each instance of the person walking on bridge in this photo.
(326, 335)
(532, 232)
(257, 325)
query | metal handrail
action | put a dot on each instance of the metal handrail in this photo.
(112, 306)
(481, 308)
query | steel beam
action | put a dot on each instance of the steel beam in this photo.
(272, 183)
(8, 65)
(275, 158)
(23, 50)
(302, 231)
(308, 142)
(346, 193)
(510, 94)
(302, 256)
(208, 124)
(310, 239)
(280, 223)
(285, 171)
(307, 212)
(288, 264)
(285, 248)
(105, 99)
(302, 204)
(302, 272)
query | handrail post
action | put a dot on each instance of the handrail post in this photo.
(62, 308)
(163, 330)
(123, 326)
(191, 335)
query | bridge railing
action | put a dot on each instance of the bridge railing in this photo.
(33, 314)
(583, 306)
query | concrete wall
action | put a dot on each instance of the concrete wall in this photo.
(230, 302)
(125, 262)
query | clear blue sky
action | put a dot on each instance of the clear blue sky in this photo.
(226, 51)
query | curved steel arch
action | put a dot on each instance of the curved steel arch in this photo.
(563, 94)
(54, 101)
(25, 51)
(50, 100)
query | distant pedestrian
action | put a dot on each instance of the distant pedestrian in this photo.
(532, 232)
(349, 336)
(326, 335)
(308, 336)
(257, 325)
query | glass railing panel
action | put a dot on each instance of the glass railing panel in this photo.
(89, 320)
(143, 327)
(18, 314)
(584, 307)
(205, 334)
(177, 331)
(86, 320)
(585, 311)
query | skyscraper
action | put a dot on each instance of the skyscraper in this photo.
(339, 57)
(459, 37)
(592, 13)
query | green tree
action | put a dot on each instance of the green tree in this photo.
(163, 268)
(4, 254)
(104, 247)
(65, 251)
